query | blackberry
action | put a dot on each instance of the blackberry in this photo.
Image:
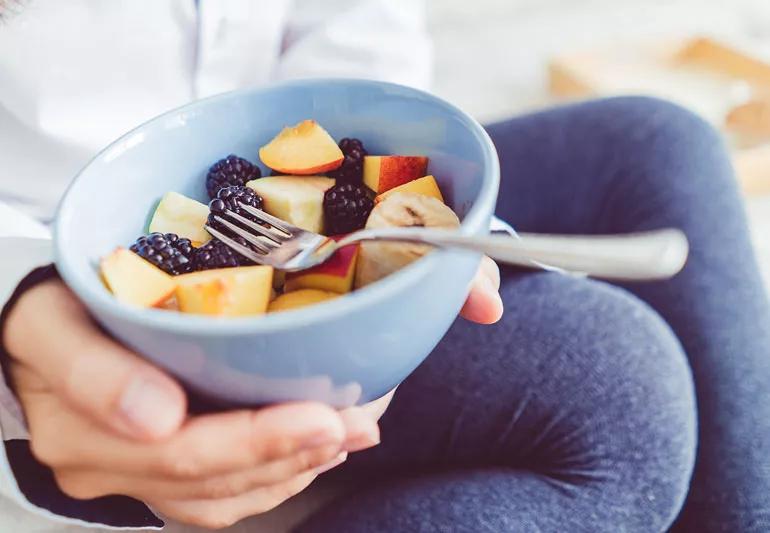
(232, 170)
(180, 243)
(216, 254)
(229, 198)
(352, 169)
(346, 208)
(168, 252)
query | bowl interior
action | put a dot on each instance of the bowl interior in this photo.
(111, 200)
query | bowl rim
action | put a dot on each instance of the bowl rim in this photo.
(99, 300)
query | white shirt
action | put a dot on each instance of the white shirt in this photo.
(75, 75)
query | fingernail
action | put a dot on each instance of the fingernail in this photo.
(321, 438)
(488, 286)
(150, 407)
(492, 271)
(341, 458)
(362, 441)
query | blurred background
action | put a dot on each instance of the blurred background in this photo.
(493, 59)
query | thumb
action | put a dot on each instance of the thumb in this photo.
(51, 336)
(484, 305)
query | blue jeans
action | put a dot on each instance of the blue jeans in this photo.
(590, 406)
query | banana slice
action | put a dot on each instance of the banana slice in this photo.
(402, 209)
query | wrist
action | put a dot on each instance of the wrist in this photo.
(35, 278)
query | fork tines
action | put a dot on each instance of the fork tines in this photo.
(271, 234)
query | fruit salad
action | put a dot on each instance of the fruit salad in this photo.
(316, 184)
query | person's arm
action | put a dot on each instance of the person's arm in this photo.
(376, 39)
(23, 480)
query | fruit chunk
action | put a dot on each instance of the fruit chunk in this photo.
(384, 172)
(352, 168)
(426, 186)
(238, 291)
(301, 298)
(181, 215)
(215, 254)
(229, 172)
(169, 252)
(233, 199)
(303, 149)
(135, 281)
(346, 208)
(297, 200)
(335, 275)
(400, 209)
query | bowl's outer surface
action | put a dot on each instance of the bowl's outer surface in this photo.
(348, 351)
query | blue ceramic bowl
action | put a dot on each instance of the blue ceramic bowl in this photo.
(348, 351)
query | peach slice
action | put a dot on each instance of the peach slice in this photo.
(303, 149)
(135, 281)
(385, 172)
(335, 274)
(426, 186)
(296, 199)
(238, 291)
(176, 213)
(301, 298)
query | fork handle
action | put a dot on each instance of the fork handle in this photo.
(650, 255)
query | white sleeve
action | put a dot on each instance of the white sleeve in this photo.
(376, 39)
(28, 245)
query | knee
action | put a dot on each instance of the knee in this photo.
(661, 120)
(624, 383)
(667, 144)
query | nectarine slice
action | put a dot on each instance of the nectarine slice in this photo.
(135, 281)
(385, 172)
(426, 186)
(238, 291)
(302, 149)
(335, 274)
(299, 299)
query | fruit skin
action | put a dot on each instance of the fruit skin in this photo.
(346, 208)
(296, 199)
(135, 281)
(336, 274)
(303, 149)
(176, 213)
(228, 199)
(299, 299)
(401, 209)
(352, 169)
(166, 251)
(216, 254)
(228, 172)
(238, 291)
(384, 172)
(426, 186)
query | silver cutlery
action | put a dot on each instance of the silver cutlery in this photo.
(651, 255)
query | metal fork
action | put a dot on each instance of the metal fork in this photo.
(650, 255)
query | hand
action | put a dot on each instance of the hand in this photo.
(108, 422)
(484, 304)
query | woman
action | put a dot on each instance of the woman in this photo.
(575, 412)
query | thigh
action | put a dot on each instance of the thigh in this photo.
(575, 412)
(632, 164)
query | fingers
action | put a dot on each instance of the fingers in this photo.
(217, 514)
(92, 373)
(361, 427)
(484, 304)
(243, 439)
(89, 484)
(203, 447)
